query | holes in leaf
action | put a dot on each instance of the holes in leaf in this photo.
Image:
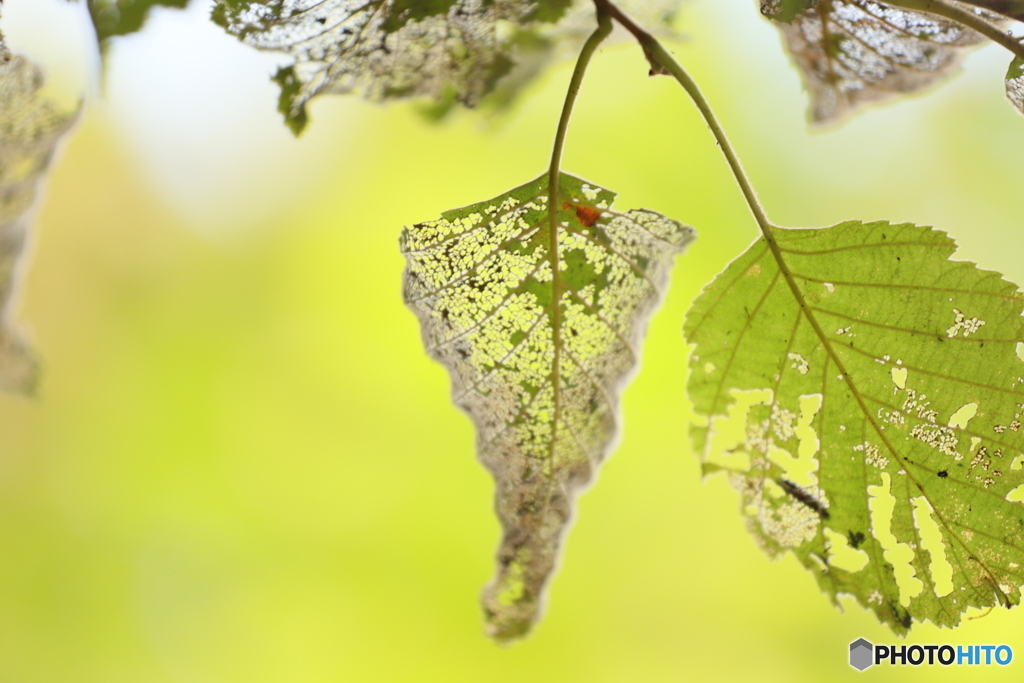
(940, 569)
(900, 555)
(963, 415)
(842, 555)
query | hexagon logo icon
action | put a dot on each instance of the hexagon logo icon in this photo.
(861, 654)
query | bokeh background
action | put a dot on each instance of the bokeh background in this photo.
(241, 466)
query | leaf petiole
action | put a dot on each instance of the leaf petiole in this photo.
(663, 63)
(971, 20)
(604, 27)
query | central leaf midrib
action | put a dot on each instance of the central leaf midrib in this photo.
(807, 311)
(556, 321)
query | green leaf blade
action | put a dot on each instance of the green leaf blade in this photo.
(540, 333)
(911, 361)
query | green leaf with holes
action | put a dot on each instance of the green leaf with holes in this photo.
(448, 51)
(863, 393)
(538, 311)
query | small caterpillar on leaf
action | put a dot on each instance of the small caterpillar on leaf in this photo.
(804, 497)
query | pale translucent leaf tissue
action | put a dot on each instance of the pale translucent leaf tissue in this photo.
(539, 318)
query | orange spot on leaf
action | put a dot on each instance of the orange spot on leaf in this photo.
(587, 215)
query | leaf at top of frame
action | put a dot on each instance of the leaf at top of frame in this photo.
(450, 51)
(867, 401)
(853, 53)
(539, 323)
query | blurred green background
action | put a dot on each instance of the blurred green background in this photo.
(241, 466)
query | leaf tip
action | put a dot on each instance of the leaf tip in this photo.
(510, 606)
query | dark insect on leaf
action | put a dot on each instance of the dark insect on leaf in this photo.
(804, 497)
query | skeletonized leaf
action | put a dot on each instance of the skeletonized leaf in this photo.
(866, 400)
(1015, 84)
(30, 129)
(539, 324)
(383, 48)
(121, 17)
(448, 50)
(852, 53)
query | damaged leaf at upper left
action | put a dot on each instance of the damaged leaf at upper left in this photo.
(31, 126)
(450, 51)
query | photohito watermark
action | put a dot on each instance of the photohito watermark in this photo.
(863, 654)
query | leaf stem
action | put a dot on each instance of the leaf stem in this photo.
(972, 20)
(663, 63)
(1011, 9)
(604, 27)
